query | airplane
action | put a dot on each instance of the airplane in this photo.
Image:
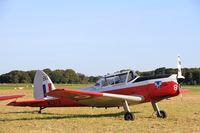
(7, 97)
(122, 88)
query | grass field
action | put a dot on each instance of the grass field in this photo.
(183, 116)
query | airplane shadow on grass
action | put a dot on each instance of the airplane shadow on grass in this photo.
(62, 116)
(24, 112)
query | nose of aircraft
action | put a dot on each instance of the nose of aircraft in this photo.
(180, 79)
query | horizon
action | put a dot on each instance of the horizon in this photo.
(97, 37)
(104, 73)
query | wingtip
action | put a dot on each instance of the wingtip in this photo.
(11, 103)
(185, 90)
(20, 95)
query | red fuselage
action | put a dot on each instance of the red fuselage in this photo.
(151, 89)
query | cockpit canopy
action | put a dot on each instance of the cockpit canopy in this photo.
(120, 77)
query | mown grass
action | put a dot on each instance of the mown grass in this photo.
(183, 116)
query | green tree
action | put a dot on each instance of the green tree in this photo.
(82, 78)
(71, 76)
(57, 76)
(31, 75)
(47, 71)
(160, 71)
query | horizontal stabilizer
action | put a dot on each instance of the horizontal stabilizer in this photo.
(30, 103)
(10, 97)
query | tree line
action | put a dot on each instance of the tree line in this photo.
(192, 75)
(69, 76)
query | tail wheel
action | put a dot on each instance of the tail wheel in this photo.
(162, 114)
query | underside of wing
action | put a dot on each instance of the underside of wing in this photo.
(95, 99)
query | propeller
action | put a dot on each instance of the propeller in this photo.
(180, 77)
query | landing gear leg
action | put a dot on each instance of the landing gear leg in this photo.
(40, 111)
(160, 113)
(128, 115)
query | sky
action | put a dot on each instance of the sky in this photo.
(98, 37)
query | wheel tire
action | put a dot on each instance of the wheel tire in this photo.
(163, 114)
(129, 116)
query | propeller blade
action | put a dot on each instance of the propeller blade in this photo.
(179, 66)
(180, 77)
(183, 91)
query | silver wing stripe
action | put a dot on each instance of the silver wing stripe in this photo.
(125, 97)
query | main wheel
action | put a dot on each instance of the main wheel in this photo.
(129, 116)
(163, 114)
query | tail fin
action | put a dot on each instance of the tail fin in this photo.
(42, 85)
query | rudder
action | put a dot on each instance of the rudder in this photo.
(42, 85)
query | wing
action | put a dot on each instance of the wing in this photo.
(95, 99)
(184, 90)
(10, 97)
